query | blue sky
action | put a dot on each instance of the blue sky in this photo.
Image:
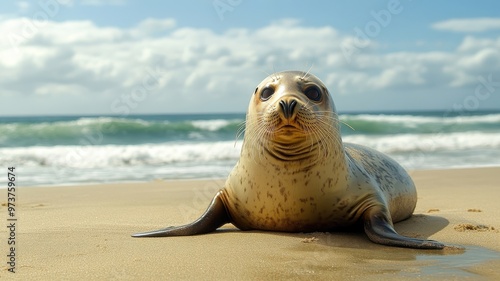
(133, 57)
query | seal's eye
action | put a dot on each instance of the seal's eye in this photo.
(313, 93)
(266, 93)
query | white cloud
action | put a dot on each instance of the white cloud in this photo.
(157, 66)
(468, 25)
(471, 44)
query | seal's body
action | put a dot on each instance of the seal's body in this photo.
(296, 175)
(325, 197)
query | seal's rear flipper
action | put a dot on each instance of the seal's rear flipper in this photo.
(380, 230)
(214, 217)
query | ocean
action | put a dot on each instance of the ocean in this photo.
(72, 150)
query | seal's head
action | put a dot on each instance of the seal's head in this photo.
(293, 116)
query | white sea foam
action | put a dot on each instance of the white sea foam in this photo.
(412, 119)
(120, 155)
(428, 142)
(211, 125)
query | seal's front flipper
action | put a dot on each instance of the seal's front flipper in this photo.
(380, 230)
(214, 217)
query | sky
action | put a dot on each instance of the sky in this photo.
(124, 57)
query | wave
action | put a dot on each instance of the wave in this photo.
(388, 118)
(98, 156)
(120, 155)
(403, 124)
(123, 131)
(111, 130)
(418, 143)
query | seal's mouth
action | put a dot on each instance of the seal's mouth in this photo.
(289, 127)
(289, 130)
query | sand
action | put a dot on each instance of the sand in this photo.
(83, 233)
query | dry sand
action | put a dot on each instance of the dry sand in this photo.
(83, 233)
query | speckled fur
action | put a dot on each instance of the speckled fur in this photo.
(289, 180)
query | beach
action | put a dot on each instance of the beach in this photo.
(83, 232)
(126, 117)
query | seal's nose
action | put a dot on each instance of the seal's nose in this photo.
(287, 108)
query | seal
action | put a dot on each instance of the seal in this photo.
(295, 174)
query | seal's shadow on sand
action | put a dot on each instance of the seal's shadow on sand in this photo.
(421, 226)
(417, 226)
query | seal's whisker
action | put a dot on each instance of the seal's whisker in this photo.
(325, 140)
(265, 72)
(258, 128)
(309, 106)
(261, 136)
(261, 133)
(347, 125)
(240, 132)
(305, 75)
(329, 135)
(323, 148)
(319, 143)
(309, 128)
(275, 78)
